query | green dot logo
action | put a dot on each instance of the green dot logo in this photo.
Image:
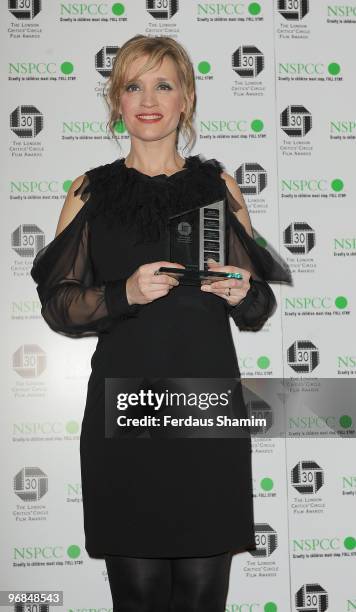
(263, 362)
(118, 9)
(66, 186)
(254, 8)
(119, 126)
(73, 551)
(72, 427)
(337, 184)
(334, 68)
(341, 302)
(270, 606)
(67, 68)
(266, 484)
(350, 543)
(204, 67)
(257, 125)
(345, 421)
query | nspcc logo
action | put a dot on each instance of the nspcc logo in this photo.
(251, 178)
(296, 120)
(104, 60)
(26, 121)
(299, 238)
(248, 61)
(293, 10)
(307, 477)
(24, 9)
(162, 9)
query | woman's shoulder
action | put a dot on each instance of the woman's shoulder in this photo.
(79, 195)
(102, 171)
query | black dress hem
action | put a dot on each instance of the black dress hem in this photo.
(234, 549)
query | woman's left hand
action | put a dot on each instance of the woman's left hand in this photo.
(233, 290)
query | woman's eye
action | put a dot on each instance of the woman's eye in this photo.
(132, 85)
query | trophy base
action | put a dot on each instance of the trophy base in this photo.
(196, 277)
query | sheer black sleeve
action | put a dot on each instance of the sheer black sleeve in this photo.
(72, 304)
(263, 263)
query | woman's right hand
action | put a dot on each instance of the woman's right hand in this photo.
(143, 286)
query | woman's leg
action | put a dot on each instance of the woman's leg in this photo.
(200, 584)
(139, 584)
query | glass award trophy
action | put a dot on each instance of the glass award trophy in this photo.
(194, 236)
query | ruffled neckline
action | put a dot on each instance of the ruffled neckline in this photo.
(125, 195)
(188, 162)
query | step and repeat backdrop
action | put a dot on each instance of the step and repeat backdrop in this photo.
(276, 104)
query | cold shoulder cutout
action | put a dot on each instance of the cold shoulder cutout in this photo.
(72, 304)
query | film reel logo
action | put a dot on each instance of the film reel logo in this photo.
(104, 60)
(162, 9)
(27, 239)
(266, 540)
(293, 10)
(296, 120)
(299, 238)
(251, 178)
(24, 9)
(259, 409)
(29, 361)
(303, 356)
(26, 121)
(311, 598)
(307, 477)
(30, 484)
(248, 61)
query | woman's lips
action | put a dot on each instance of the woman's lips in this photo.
(149, 118)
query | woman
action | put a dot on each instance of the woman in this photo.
(165, 514)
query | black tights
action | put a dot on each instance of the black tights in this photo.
(169, 584)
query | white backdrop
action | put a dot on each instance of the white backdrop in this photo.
(276, 100)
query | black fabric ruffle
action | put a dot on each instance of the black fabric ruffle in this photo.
(126, 196)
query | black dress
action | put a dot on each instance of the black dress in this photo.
(167, 497)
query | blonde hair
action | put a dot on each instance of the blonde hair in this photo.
(156, 48)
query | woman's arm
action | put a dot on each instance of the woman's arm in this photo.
(241, 212)
(259, 303)
(72, 304)
(72, 204)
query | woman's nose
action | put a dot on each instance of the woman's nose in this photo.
(149, 98)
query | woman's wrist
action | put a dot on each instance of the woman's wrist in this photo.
(129, 299)
(238, 303)
(235, 307)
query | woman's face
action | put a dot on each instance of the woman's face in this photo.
(157, 92)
